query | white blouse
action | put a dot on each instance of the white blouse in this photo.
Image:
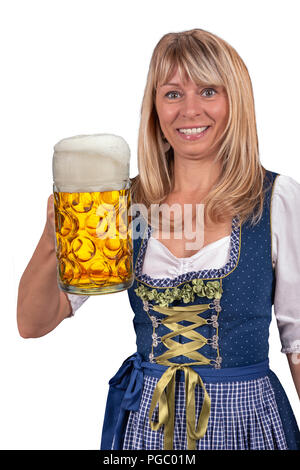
(159, 262)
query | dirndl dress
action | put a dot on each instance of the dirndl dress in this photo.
(200, 378)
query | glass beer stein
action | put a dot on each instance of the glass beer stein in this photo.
(92, 217)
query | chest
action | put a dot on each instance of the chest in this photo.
(182, 245)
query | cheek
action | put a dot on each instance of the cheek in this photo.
(224, 111)
(220, 112)
(166, 115)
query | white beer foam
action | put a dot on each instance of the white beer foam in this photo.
(98, 162)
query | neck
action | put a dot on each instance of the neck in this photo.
(193, 177)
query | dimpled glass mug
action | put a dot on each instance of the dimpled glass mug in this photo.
(91, 189)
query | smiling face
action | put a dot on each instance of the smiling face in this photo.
(191, 117)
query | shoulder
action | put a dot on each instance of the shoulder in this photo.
(286, 189)
(285, 222)
(285, 204)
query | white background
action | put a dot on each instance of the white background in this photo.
(79, 67)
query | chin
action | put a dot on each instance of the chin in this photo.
(192, 153)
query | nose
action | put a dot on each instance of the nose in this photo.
(191, 106)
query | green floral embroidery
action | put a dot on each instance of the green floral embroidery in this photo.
(211, 290)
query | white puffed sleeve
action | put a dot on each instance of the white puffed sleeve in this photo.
(285, 219)
(76, 301)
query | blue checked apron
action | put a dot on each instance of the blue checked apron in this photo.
(200, 378)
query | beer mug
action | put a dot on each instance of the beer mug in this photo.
(91, 189)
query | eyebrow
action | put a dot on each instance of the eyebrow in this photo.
(199, 85)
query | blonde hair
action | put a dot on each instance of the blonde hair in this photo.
(204, 58)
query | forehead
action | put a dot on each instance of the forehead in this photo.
(173, 74)
(177, 80)
(176, 76)
(181, 75)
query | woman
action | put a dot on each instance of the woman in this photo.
(198, 144)
(200, 377)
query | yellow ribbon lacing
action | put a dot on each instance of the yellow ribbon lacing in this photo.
(164, 392)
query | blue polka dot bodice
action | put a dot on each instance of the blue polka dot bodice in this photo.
(237, 327)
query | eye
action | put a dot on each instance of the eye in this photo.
(171, 94)
(209, 92)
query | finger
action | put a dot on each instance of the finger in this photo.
(50, 200)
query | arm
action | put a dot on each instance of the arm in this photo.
(286, 253)
(41, 304)
(294, 363)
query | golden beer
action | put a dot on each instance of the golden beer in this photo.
(93, 239)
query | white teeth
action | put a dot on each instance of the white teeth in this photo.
(194, 130)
